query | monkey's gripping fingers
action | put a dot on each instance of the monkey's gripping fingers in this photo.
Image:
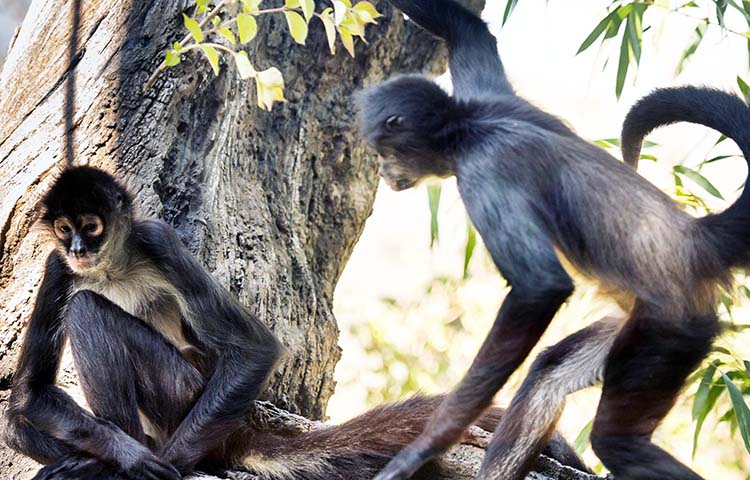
(148, 466)
(405, 464)
(78, 468)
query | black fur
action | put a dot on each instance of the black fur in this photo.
(197, 397)
(535, 190)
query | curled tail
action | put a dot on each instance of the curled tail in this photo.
(728, 231)
(361, 447)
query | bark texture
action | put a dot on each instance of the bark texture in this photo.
(272, 203)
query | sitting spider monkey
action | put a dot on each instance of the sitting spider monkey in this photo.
(169, 362)
(541, 198)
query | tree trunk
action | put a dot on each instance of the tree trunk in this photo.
(271, 203)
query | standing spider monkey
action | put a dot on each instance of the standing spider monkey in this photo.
(168, 360)
(541, 197)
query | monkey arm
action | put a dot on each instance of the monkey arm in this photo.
(43, 421)
(243, 348)
(475, 65)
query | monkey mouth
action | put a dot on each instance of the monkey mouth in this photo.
(397, 183)
(81, 264)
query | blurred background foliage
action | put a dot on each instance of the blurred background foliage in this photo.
(419, 332)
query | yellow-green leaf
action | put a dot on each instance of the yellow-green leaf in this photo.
(354, 25)
(244, 66)
(368, 8)
(192, 26)
(339, 11)
(347, 40)
(297, 26)
(291, 3)
(270, 85)
(213, 57)
(326, 16)
(247, 27)
(172, 58)
(228, 34)
(308, 8)
(251, 6)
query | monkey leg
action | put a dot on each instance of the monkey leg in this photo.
(574, 363)
(126, 367)
(645, 371)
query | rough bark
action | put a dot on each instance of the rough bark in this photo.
(272, 203)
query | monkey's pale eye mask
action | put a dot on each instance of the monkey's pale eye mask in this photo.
(90, 226)
(63, 228)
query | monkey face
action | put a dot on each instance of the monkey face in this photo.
(407, 120)
(81, 238)
(82, 209)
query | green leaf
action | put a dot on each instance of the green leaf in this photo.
(369, 8)
(243, 65)
(216, 21)
(347, 40)
(741, 411)
(649, 144)
(743, 11)
(339, 11)
(701, 405)
(173, 58)
(693, 44)
(251, 6)
(634, 29)
(247, 27)
(326, 16)
(582, 440)
(270, 85)
(433, 199)
(744, 88)
(645, 156)
(213, 57)
(509, 7)
(297, 26)
(471, 243)
(698, 179)
(716, 159)
(308, 8)
(228, 34)
(596, 32)
(193, 27)
(721, 8)
(623, 65)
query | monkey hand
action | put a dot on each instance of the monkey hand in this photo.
(404, 465)
(78, 467)
(140, 463)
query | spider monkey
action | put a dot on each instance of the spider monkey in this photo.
(547, 203)
(169, 362)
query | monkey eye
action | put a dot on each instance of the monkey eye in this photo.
(394, 121)
(92, 225)
(63, 228)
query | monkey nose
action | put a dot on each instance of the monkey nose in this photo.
(78, 248)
